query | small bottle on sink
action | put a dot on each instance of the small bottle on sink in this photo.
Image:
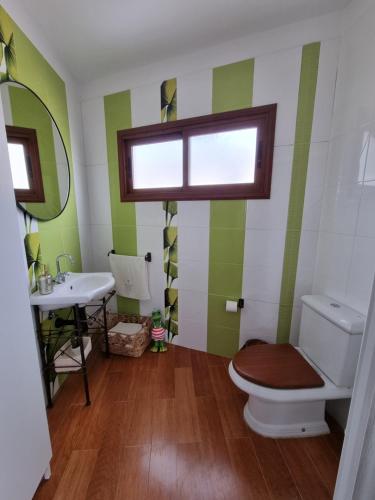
(45, 282)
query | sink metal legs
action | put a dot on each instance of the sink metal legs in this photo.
(83, 358)
(50, 341)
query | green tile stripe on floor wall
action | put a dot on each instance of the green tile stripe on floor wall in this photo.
(304, 121)
(32, 69)
(117, 110)
(232, 89)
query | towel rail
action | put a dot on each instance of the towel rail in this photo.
(148, 257)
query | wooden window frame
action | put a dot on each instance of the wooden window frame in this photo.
(28, 138)
(262, 117)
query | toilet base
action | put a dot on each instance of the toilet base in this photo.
(285, 420)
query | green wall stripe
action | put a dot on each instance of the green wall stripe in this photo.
(232, 86)
(117, 110)
(304, 121)
(232, 89)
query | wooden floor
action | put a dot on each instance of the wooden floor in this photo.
(170, 426)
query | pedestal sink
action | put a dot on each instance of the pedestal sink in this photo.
(79, 288)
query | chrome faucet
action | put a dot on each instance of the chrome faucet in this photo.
(61, 276)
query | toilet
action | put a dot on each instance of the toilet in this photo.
(288, 386)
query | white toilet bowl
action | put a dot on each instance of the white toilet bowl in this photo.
(286, 413)
(330, 339)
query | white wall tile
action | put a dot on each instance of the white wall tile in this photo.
(361, 274)
(263, 247)
(263, 264)
(194, 94)
(262, 282)
(94, 134)
(355, 102)
(193, 275)
(145, 105)
(347, 158)
(150, 213)
(192, 306)
(192, 334)
(295, 325)
(194, 213)
(259, 320)
(340, 208)
(99, 196)
(325, 90)
(273, 213)
(157, 285)
(193, 243)
(315, 182)
(369, 174)
(276, 80)
(306, 263)
(82, 194)
(102, 242)
(86, 247)
(333, 264)
(150, 239)
(366, 216)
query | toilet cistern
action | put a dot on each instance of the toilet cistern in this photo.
(60, 276)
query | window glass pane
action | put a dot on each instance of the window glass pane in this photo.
(222, 157)
(157, 165)
(18, 166)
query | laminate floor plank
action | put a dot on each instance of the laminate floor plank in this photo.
(231, 415)
(105, 477)
(164, 382)
(163, 472)
(139, 428)
(77, 475)
(324, 460)
(222, 385)
(187, 420)
(182, 357)
(201, 376)
(184, 383)
(210, 426)
(276, 474)
(170, 426)
(303, 471)
(192, 482)
(164, 428)
(134, 473)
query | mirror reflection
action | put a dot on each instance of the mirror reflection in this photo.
(39, 163)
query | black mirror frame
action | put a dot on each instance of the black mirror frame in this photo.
(19, 205)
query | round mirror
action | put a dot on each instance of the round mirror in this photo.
(38, 159)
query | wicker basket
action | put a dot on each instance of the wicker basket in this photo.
(128, 345)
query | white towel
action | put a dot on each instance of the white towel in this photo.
(131, 276)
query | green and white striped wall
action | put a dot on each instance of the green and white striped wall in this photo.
(262, 250)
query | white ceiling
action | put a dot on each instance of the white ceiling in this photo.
(97, 37)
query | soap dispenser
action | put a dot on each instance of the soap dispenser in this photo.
(45, 282)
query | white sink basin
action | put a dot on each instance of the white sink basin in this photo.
(79, 288)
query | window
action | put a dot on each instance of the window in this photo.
(25, 164)
(220, 156)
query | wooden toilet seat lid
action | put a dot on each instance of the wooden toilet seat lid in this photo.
(277, 366)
